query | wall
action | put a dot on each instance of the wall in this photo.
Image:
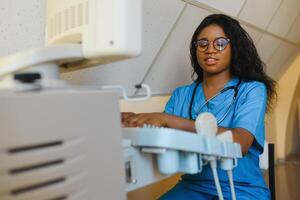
(291, 136)
(22, 25)
(281, 121)
(155, 104)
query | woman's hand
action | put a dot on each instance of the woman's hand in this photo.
(130, 119)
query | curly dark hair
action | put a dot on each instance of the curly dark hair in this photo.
(245, 61)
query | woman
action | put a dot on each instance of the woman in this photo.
(232, 85)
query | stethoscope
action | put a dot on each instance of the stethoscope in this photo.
(236, 90)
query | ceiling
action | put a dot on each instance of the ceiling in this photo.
(168, 26)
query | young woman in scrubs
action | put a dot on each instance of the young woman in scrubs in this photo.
(231, 84)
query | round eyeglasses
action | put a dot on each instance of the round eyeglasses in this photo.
(219, 44)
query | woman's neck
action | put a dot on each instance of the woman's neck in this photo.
(216, 81)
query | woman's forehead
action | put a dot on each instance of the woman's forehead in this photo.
(211, 32)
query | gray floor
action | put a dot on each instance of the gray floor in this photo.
(288, 179)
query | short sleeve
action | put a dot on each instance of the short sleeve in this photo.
(250, 112)
(169, 108)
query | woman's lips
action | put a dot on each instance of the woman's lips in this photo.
(211, 61)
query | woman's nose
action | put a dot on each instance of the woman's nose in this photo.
(210, 48)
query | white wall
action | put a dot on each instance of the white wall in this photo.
(22, 25)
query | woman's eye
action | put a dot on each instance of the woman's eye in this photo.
(202, 43)
(220, 43)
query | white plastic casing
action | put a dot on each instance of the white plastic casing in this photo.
(206, 124)
(108, 30)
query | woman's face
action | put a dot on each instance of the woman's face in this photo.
(213, 61)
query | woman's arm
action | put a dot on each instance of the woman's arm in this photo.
(240, 135)
(157, 119)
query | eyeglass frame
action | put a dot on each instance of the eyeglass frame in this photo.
(209, 42)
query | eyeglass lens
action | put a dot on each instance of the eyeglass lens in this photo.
(219, 44)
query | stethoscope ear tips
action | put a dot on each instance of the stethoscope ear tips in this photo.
(206, 124)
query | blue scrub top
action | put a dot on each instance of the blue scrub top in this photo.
(248, 112)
